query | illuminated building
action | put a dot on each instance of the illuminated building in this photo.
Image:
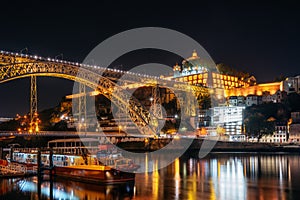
(194, 71)
(290, 85)
(255, 89)
(281, 132)
(280, 135)
(294, 135)
(231, 118)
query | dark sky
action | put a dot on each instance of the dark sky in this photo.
(260, 38)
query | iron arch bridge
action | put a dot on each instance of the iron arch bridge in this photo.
(103, 80)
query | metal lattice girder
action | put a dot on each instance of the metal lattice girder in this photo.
(88, 78)
(14, 66)
(82, 120)
(33, 102)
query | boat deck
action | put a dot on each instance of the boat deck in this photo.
(89, 167)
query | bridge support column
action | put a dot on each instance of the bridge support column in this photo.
(33, 127)
(82, 120)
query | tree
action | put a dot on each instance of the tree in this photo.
(257, 125)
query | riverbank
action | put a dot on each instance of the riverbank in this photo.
(156, 144)
(218, 146)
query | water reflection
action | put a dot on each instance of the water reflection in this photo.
(63, 189)
(217, 176)
(223, 176)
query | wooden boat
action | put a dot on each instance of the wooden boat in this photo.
(78, 159)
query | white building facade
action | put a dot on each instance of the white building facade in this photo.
(231, 119)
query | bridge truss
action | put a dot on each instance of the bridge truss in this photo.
(103, 80)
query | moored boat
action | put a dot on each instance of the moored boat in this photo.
(79, 159)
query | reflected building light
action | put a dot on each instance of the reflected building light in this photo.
(146, 167)
(198, 169)
(177, 177)
(214, 168)
(177, 169)
(155, 179)
(191, 164)
(184, 170)
(228, 180)
(280, 173)
(192, 192)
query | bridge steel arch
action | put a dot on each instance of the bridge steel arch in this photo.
(87, 77)
(14, 66)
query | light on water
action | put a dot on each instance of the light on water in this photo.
(217, 176)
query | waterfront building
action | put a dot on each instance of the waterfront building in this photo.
(231, 119)
(281, 133)
(294, 135)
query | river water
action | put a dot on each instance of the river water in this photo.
(217, 176)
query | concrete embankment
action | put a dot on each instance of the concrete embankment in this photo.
(214, 146)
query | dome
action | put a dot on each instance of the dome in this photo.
(197, 63)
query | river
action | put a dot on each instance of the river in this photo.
(217, 176)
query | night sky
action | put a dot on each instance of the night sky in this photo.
(260, 38)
